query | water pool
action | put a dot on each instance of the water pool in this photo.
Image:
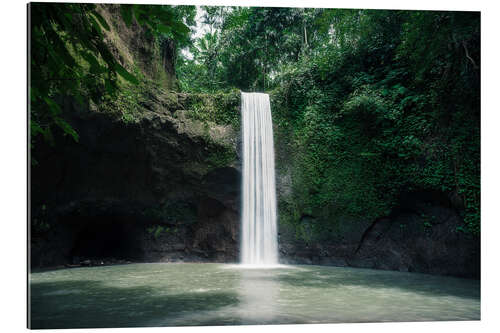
(167, 294)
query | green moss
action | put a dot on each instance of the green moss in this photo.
(353, 150)
(158, 230)
(220, 108)
(131, 100)
(173, 212)
(220, 156)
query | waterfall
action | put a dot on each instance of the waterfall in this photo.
(259, 232)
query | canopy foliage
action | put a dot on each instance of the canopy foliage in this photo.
(69, 56)
(368, 104)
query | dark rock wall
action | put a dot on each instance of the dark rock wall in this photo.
(143, 191)
(155, 180)
(421, 235)
(134, 48)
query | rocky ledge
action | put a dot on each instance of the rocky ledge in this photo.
(421, 235)
(160, 186)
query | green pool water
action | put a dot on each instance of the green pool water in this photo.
(162, 294)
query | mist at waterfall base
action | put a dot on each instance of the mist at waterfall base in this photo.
(259, 243)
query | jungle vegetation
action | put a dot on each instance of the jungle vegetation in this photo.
(367, 104)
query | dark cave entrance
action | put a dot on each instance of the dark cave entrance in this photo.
(106, 237)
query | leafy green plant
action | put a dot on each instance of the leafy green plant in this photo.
(69, 57)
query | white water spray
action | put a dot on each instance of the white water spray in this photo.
(259, 231)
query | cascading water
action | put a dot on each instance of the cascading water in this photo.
(259, 231)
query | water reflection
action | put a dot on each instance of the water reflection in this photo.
(258, 294)
(214, 294)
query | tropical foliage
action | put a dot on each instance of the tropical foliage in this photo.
(69, 56)
(368, 104)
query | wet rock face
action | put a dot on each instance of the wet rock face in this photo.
(142, 191)
(153, 176)
(421, 235)
(410, 243)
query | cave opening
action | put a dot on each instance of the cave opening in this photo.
(106, 237)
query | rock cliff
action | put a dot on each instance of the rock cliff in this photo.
(156, 177)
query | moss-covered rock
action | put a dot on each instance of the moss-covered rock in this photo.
(148, 161)
(138, 50)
